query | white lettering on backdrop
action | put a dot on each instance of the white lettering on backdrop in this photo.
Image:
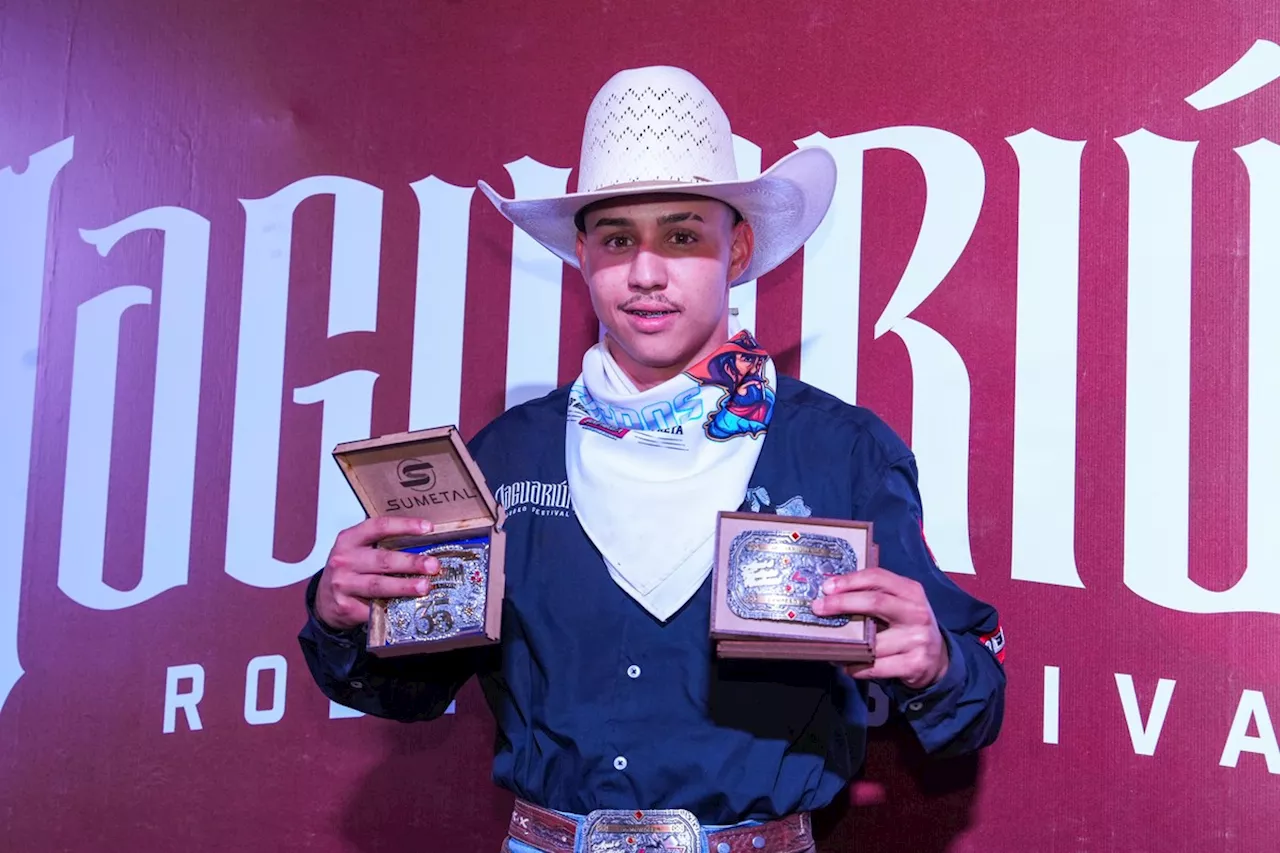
(24, 238)
(1156, 479)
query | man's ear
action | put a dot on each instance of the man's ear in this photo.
(741, 249)
(580, 248)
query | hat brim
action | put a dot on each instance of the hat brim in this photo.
(785, 205)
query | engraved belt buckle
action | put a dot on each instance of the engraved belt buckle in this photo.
(653, 831)
(456, 602)
(775, 575)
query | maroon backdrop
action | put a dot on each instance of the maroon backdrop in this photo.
(205, 107)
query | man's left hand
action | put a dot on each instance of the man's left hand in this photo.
(909, 646)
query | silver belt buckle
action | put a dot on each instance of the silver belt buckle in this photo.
(653, 831)
(776, 574)
(456, 603)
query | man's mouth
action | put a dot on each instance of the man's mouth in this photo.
(647, 312)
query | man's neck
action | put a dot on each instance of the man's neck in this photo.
(645, 376)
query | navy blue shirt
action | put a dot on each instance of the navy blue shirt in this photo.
(600, 705)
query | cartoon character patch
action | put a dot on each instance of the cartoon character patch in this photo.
(747, 403)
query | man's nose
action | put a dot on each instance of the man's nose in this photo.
(648, 270)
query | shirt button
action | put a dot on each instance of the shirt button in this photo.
(915, 706)
(633, 671)
(758, 842)
(358, 685)
(722, 847)
(620, 763)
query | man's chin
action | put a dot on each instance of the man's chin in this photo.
(651, 351)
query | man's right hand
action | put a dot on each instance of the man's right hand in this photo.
(357, 571)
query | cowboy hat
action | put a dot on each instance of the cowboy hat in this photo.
(659, 129)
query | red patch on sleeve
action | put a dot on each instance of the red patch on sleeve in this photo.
(995, 642)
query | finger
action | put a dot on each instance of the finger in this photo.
(336, 610)
(876, 603)
(875, 578)
(367, 560)
(386, 561)
(372, 530)
(345, 615)
(898, 640)
(388, 586)
(894, 666)
(903, 668)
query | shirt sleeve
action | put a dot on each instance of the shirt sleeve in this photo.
(409, 688)
(963, 711)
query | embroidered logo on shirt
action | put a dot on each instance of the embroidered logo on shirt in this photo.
(796, 507)
(535, 496)
(758, 498)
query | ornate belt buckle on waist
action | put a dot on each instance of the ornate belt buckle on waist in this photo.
(654, 831)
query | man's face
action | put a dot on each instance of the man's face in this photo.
(747, 364)
(658, 269)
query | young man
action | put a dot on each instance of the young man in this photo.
(612, 708)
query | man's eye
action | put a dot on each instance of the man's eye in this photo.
(617, 241)
(684, 238)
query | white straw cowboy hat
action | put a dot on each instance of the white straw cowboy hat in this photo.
(659, 129)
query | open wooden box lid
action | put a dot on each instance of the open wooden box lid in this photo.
(421, 474)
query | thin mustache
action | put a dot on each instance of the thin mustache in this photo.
(655, 299)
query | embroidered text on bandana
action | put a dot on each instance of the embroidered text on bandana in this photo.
(649, 470)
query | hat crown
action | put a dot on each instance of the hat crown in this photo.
(656, 124)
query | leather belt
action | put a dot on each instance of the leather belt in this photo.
(644, 831)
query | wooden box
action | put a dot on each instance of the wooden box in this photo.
(768, 568)
(429, 474)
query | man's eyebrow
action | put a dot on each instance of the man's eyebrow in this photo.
(679, 217)
(621, 222)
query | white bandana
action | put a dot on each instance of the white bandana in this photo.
(649, 470)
